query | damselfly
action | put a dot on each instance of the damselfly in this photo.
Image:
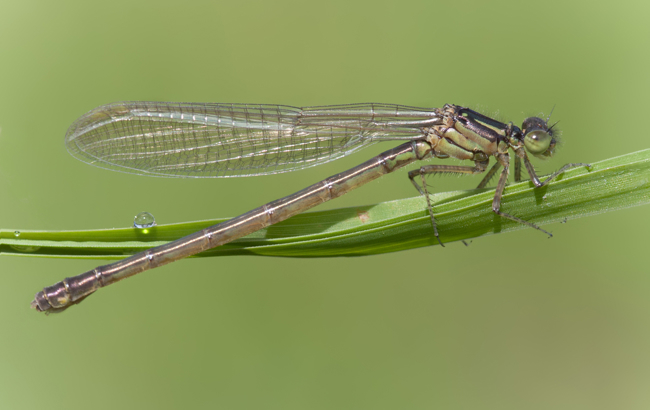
(224, 140)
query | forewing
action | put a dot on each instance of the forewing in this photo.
(224, 140)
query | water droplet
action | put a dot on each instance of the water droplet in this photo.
(144, 220)
(25, 248)
(17, 234)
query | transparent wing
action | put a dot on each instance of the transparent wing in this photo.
(225, 140)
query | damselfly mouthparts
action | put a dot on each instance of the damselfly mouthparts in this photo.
(225, 140)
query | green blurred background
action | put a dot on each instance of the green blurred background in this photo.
(513, 321)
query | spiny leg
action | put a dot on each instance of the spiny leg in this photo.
(433, 169)
(517, 169)
(426, 196)
(533, 174)
(496, 202)
(488, 177)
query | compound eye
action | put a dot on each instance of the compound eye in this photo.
(537, 142)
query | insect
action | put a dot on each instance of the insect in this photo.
(197, 140)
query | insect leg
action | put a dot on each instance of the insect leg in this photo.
(498, 195)
(479, 167)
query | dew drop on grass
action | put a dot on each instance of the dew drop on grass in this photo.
(25, 248)
(144, 220)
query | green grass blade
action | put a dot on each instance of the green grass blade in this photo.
(613, 184)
